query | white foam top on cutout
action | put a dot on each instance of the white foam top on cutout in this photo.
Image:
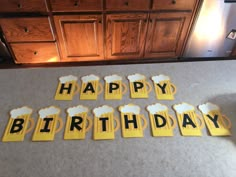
(159, 78)
(43, 113)
(183, 107)
(89, 78)
(102, 110)
(130, 108)
(154, 108)
(136, 77)
(76, 110)
(20, 111)
(112, 78)
(68, 78)
(207, 107)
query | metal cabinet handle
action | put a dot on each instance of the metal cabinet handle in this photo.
(173, 1)
(35, 53)
(126, 3)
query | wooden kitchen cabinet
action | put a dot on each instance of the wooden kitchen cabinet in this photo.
(75, 5)
(91, 30)
(166, 34)
(43, 52)
(80, 37)
(125, 35)
(27, 29)
(127, 4)
(23, 6)
(174, 4)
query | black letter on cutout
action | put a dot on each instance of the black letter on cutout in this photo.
(65, 88)
(188, 120)
(76, 120)
(156, 120)
(138, 85)
(45, 128)
(88, 87)
(162, 87)
(17, 125)
(113, 86)
(104, 119)
(214, 120)
(134, 121)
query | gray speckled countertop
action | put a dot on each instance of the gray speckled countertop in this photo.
(178, 156)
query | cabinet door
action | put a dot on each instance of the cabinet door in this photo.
(75, 5)
(127, 4)
(125, 35)
(80, 37)
(166, 34)
(23, 6)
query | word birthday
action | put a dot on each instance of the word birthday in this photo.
(105, 123)
(114, 88)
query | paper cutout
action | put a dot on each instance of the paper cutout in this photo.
(164, 89)
(67, 88)
(104, 123)
(131, 121)
(90, 88)
(187, 119)
(46, 127)
(17, 125)
(162, 123)
(138, 86)
(214, 120)
(114, 88)
(77, 120)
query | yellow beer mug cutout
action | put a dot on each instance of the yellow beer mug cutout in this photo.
(78, 123)
(46, 127)
(131, 121)
(104, 123)
(67, 88)
(214, 120)
(138, 86)
(114, 88)
(90, 88)
(18, 123)
(187, 119)
(164, 89)
(162, 123)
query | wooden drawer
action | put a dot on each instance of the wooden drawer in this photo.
(173, 4)
(35, 52)
(23, 6)
(75, 5)
(27, 29)
(127, 4)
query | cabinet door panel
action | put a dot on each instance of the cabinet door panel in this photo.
(35, 52)
(23, 6)
(75, 5)
(166, 34)
(127, 4)
(125, 35)
(80, 37)
(173, 4)
(27, 29)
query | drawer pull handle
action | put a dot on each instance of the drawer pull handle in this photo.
(126, 3)
(100, 21)
(26, 30)
(174, 2)
(76, 3)
(35, 53)
(19, 6)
